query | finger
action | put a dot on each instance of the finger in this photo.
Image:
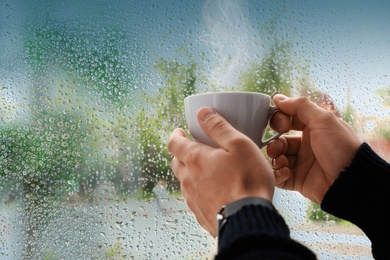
(279, 162)
(282, 162)
(277, 147)
(177, 168)
(281, 177)
(296, 124)
(293, 143)
(301, 109)
(286, 145)
(178, 142)
(291, 161)
(217, 128)
(280, 122)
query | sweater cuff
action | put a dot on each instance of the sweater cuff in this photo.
(260, 228)
(360, 195)
(249, 221)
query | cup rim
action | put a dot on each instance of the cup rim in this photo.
(227, 93)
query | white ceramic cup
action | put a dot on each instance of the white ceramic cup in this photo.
(248, 112)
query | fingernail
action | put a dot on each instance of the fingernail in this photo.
(281, 97)
(204, 113)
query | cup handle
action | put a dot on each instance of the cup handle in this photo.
(271, 112)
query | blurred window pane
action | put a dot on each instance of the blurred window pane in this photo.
(90, 91)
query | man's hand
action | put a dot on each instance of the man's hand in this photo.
(311, 162)
(210, 177)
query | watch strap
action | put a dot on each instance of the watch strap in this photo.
(233, 207)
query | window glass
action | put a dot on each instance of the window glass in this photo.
(90, 91)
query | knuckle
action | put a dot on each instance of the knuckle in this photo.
(303, 99)
(328, 116)
(242, 145)
(171, 144)
(275, 148)
(185, 184)
(174, 138)
(216, 125)
(239, 141)
(281, 161)
(174, 165)
(305, 103)
(187, 188)
(193, 156)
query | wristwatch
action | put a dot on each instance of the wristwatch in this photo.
(232, 208)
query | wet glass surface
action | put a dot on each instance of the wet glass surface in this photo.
(90, 91)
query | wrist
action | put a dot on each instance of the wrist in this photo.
(265, 192)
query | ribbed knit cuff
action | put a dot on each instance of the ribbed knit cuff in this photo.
(250, 220)
(360, 195)
(260, 228)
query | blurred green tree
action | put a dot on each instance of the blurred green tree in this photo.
(75, 80)
(163, 113)
(41, 159)
(95, 75)
(384, 95)
(272, 75)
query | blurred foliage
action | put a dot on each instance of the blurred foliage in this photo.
(7, 108)
(43, 157)
(315, 213)
(98, 64)
(115, 252)
(304, 86)
(164, 113)
(384, 95)
(349, 114)
(77, 75)
(272, 75)
(384, 132)
(179, 82)
(50, 255)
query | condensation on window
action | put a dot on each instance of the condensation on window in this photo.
(91, 90)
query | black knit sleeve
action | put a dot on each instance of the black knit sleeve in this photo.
(258, 232)
(360, 195)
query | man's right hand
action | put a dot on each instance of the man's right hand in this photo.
(310, 163)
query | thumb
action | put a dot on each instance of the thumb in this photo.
(216, 127)
(300, 108)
